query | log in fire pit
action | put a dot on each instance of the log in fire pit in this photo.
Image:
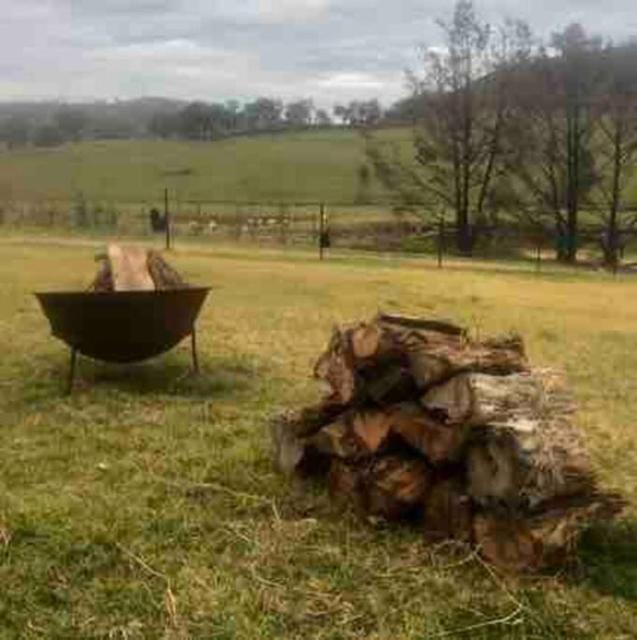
(137, 308)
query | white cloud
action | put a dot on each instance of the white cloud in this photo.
(352, 81)
(281, 11)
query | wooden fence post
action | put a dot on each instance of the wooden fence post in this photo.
(167, 218)
(441, 240)
(321, 230)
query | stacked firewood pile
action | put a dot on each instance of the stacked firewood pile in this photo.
(460, 435)
(132, 268)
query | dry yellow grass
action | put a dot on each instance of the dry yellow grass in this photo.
(145, 505)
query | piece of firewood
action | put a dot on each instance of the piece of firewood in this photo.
(434, 362)
(390, 487)
(129, 268)
(423, 324)
(532, 458)
(372, 428)
(103, 281)
(338, 440)
(361, 364)
(307, 421)
(475, 399)
(335, 367)
(448, 511)
(395, 486)
(293, 455)
(541, 539)
(438, 442)
(163, 275)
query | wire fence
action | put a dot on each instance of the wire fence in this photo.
(362, 226)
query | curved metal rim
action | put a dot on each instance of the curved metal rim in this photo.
(87, 294)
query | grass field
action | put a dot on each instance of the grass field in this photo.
(145, 505)
(292, 167)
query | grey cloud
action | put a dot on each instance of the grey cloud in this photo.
(219, 49)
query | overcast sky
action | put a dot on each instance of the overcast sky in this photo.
(332, 50)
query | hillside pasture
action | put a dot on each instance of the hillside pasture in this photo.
(316, 166)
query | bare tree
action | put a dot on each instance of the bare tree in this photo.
(462, 105)
(552, 132)
(616, 146)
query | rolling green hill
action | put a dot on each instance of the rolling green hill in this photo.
(291, 167)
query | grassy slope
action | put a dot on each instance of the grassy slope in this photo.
(145, 505)
(291, 167)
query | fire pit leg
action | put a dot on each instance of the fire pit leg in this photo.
(69, 384)
(193, 344)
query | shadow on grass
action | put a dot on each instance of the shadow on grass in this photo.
(608, 560)
(172, 375)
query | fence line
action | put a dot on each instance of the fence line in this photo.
(309, 223)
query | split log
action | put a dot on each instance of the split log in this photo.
(448, 512)
(290, 432)
(396, 486)
(475, 399)
(372, 428)
(288, 448)
(541, 539)
(309, 420)
(293, 455)
(338, 440)
(129, 268)
(390, 487)
(103, 281)
(134, 269)
(433, 362)
(438, 442)
(335, 367)
(301, 439)
(532, 458)
(162, 274)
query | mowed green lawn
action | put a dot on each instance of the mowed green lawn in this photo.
(289, 167)
(145, 505)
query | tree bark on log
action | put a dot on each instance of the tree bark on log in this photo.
(163, 275)
(477, 399)
(439, 443)
(536, 540)
(134, 269)
(390, 487)
(529, 452)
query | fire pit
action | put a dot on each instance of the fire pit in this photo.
(123, 326)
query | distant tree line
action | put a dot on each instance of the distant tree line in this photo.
(50, 124)
(508, 126)
(207, 121)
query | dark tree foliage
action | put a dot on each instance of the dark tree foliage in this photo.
(14, 132)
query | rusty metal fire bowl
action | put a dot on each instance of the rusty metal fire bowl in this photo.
(123, 326)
